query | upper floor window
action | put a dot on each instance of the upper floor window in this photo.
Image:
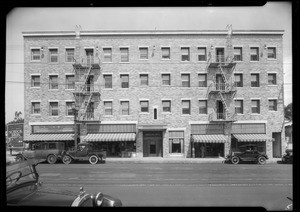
(165, 53)
(255, 106)
(107, 54)
(69, 109)
(35, 54)
(53, 82)
(143, 53)
(185, 79)
(70, 54)
(53, 55)
(271, 53)
(35, 81)
(124, 80)
(166, 104)
(35, 108)
(237, 51)
(166, 79)
(202, 80)
(239, 107)
(254, 54)
(202, 54)
(186, 107)
(202, 106)
(125, 107)
(273, 105)
(272, 79)
(238, 80)
(53, 108)
(108, 108)
(144, 79)
(144, 106)
(107, 81)
(254, 80)
(185, 54)
(124, 54)
(70, 81)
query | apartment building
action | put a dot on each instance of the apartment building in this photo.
(156, 93)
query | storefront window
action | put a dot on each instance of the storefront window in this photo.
(176, 141)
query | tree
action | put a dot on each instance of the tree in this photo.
(17, 118)
(288, 111)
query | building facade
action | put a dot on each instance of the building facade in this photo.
(156, 93)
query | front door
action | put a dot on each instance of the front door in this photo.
(152, 143)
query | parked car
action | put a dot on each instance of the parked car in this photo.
(288, 156)
(84, 152)
(51, 151)
(247, 153)
(23, 188)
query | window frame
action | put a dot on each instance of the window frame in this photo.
(32, 55)
(205, 54)
(107, 108)
(240, 83)
(53, 55)
(258, 107)
(122, 108)
(182, 108)
(67, 56)
(184, 55)
(275, 105)
(162, 79)
(237, 108)
(238, 55)
(186, 81)
(148, 106)
(68, 82)
(206, 108)
(124, 83)
(141, 53)
(107, 56)
(69, 108)
(252, 55)
(180, 140)
(203, 82)
(163, 108)
(169, 53)
(275, 79)
(32, 112)
(51, 83)
(126, 54)
(274, 53)
(106, 82)
(141, 80)
(32, 84)
(257, 80)
(51, 109)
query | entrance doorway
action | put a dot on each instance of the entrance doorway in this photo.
(277, 145)
(152, 143)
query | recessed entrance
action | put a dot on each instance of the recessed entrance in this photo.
(152, 143)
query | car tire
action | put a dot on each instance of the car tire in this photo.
(235, 160)
(66, 159)
(261, 160)
(93, 159)
(19, 158)
(51, 159)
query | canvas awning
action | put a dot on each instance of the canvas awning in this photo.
(50, 137)
(252, 137)
(209, 138)
(108, 137)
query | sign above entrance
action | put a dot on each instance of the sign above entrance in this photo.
(152, 127)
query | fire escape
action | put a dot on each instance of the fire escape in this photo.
(86, 93)
(222, 89)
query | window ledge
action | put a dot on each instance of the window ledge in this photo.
(125, 62)
(273, 85)
(144, 113)
(256, 114)
(35, 87)
(36, 114)
(271, 59)
(35, 61)
(254, 61)
(70, 89)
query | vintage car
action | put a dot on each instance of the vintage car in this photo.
(51, 151)
(23, 188)
(288, 156)
(247, 153)
(84, 152)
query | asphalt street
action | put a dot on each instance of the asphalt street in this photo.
(154, 184)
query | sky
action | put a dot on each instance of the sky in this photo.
(272, 16)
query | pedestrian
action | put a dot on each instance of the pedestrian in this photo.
(10, 149)
(202, 151)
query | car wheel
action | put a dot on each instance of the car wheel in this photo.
(67, 159)
(93, 159)
(19, 158)
(51, 159)
(261, 160)
(235, 160)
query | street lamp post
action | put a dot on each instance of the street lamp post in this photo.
(75, 112)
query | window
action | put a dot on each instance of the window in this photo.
(165, 53)
(272, 79)
(52, 146)
(255, 106)
(237, 51)
(166, 79)
(53, 108)
(70, 55)
(202, 80)
(254, 53)
(70, 81)
(273, 105)
(271, 53)
(124, 54)
(35, 81)
(254, 80)
(176, 141)
(238, 80)
(107, 81)
(125, 107)
(185, 54)
(144, 106)
(69, 110)
(143, 53)
(144, 79)
(155, 113)
(239, 106)
(186, 107)
(201, 53)
(166, 104)
(53, 55)
(53, 82)
(35, 108)
(108, 108)
(185, 79)
(124, 81)
(202, 106)
(35, 54)
(107, 54)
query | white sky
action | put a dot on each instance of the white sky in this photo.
(272, 16)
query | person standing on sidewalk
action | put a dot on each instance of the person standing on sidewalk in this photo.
(202, 151)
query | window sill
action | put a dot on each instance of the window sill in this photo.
(35, 87)
(240, 114)
(186, 61)
(107, 89)
(53, 116)
(165, 59)
(36, 114)
(255, 114)
(125, 62)
(144, 113)
(53, 63)
(35, 61)
(166, 113)
(271, 59)
(273, 85)
(109, 116)
(143, 59)
(69, 116)
(107, 62)
(254, 61)
(70, 89)
(186, 115)
(203, 114)
(273, 111)
(56, 89)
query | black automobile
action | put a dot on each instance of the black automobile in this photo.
(288, 156)
(247, 153)
(23, 188)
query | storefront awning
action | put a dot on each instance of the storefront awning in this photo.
(108, 137)
(50, 137)
(209, 138)
(252, 137)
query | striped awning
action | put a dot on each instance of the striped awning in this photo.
(49, 137)
(252, 137)
(106, 137)
(209, 138)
